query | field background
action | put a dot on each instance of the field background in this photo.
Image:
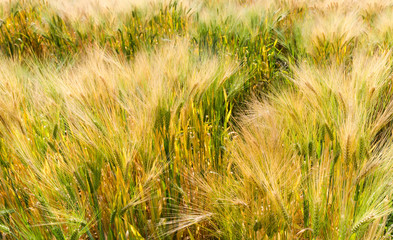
(220, 119)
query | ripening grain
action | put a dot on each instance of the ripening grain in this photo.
(240, 119)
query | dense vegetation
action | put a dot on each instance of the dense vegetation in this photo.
(222, 119)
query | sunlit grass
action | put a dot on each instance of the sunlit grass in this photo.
(196, 119)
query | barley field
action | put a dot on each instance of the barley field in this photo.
(196, 119)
